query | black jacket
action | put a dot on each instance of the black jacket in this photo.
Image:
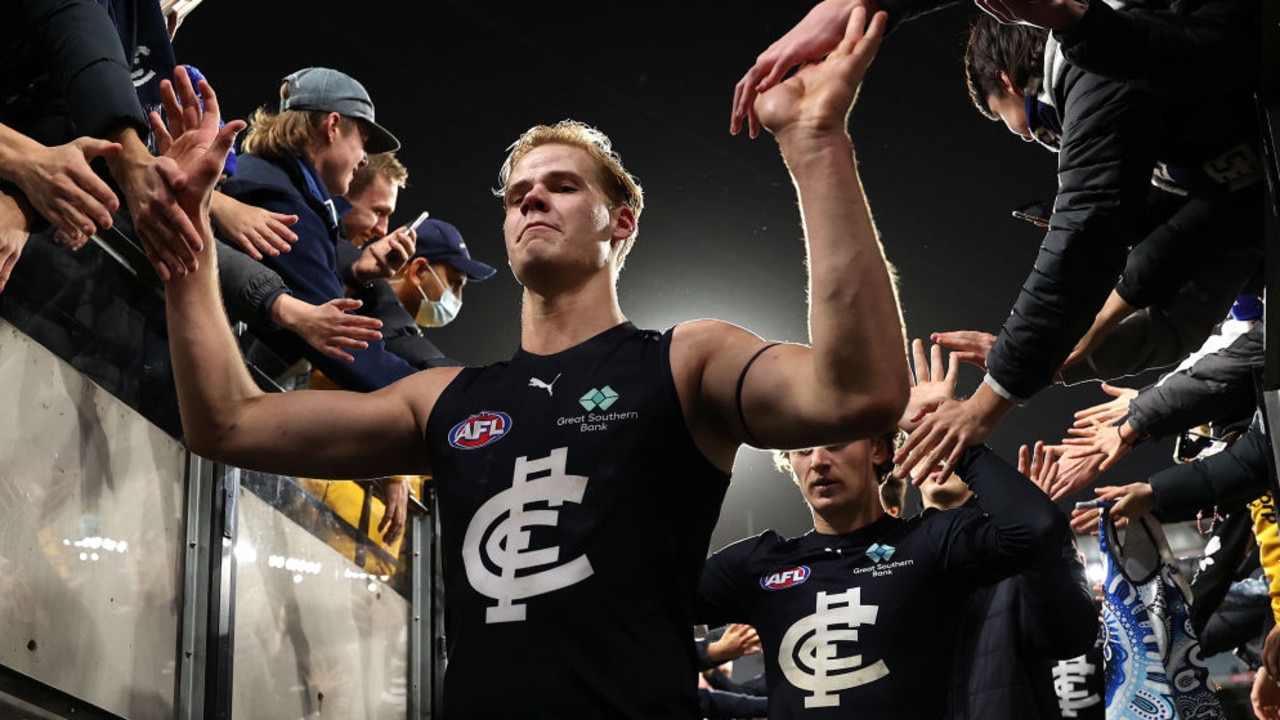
(1217, 388)
(1113, 135)
(1199, 48)
(1013, 633)
(1228, 480)
(65, 72)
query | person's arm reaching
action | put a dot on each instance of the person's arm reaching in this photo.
(1104, 173)
(1217, 387)
(58, 181)
(14, 232)
(253, 229)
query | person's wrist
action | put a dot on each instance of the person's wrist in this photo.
(989, 403)
(1128, 437)
(217, 201)
(133, 153)
(359, 274)
(282, 311)
(15, 213)
(15, 164)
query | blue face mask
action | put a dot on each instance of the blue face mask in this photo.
(1042, 120)
(437, 313)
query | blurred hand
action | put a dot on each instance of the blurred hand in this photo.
(938, 442)
(817, 34)
(1132, 501)
(64, 189)
(1108, 412)
(395, 493)
(180, 183)
(738, 640)
(13, 235)
(1271, 652)
(820, 95)
(1040, 464)
(971, 346)
(1265, 695)
(332, 328)
(1089, 453)
(254, 230)
(384, 257)
(930, 384)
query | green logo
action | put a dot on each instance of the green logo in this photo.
(598, 399)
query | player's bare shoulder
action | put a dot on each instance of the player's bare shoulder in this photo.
(700, 341)
(420, 391)
(705, 353)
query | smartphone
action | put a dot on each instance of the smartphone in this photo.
(421, 218)
(1036, 212)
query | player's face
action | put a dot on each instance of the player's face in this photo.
(836, 475)
(370, 211)
(1012, 109)
(556, 214)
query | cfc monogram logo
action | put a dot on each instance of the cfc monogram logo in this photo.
(506, 522)
(808, 653)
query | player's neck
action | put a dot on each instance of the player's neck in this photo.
(839, 521)
(553, 322)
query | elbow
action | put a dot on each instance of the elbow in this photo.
(888, 404)
(203, 443)
(875, 412)
(209, 440)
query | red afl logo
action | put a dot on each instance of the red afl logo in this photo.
(479, 430)
(781, 579)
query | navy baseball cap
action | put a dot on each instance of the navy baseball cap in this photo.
(438, 241)
(327, 90)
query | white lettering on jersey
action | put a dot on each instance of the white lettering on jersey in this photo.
(808, 653)
(1070, 683)
(141, 76)
(508, 544)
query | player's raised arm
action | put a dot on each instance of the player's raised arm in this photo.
(852, 380)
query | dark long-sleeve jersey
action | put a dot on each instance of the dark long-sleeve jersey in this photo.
(866, 622)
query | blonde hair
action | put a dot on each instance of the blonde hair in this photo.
(385, 165)
(292, 132)
(620, 187)
(893, 438)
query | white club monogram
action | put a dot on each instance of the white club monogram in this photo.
(496, 552)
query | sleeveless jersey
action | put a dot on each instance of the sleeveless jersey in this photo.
(575, 514)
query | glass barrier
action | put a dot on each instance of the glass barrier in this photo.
(316, 633)
(126, 591)
(91, 537)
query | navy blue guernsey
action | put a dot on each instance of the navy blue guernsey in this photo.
(575, 514)
(863, 625)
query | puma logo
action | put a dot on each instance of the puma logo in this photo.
(535, 382)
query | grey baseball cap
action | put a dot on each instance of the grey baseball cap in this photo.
(327, 90)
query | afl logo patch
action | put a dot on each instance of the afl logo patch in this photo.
(783, 579)
(479, 430)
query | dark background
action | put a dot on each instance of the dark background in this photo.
(457, 82)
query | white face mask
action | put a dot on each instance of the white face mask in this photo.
(437, 313)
